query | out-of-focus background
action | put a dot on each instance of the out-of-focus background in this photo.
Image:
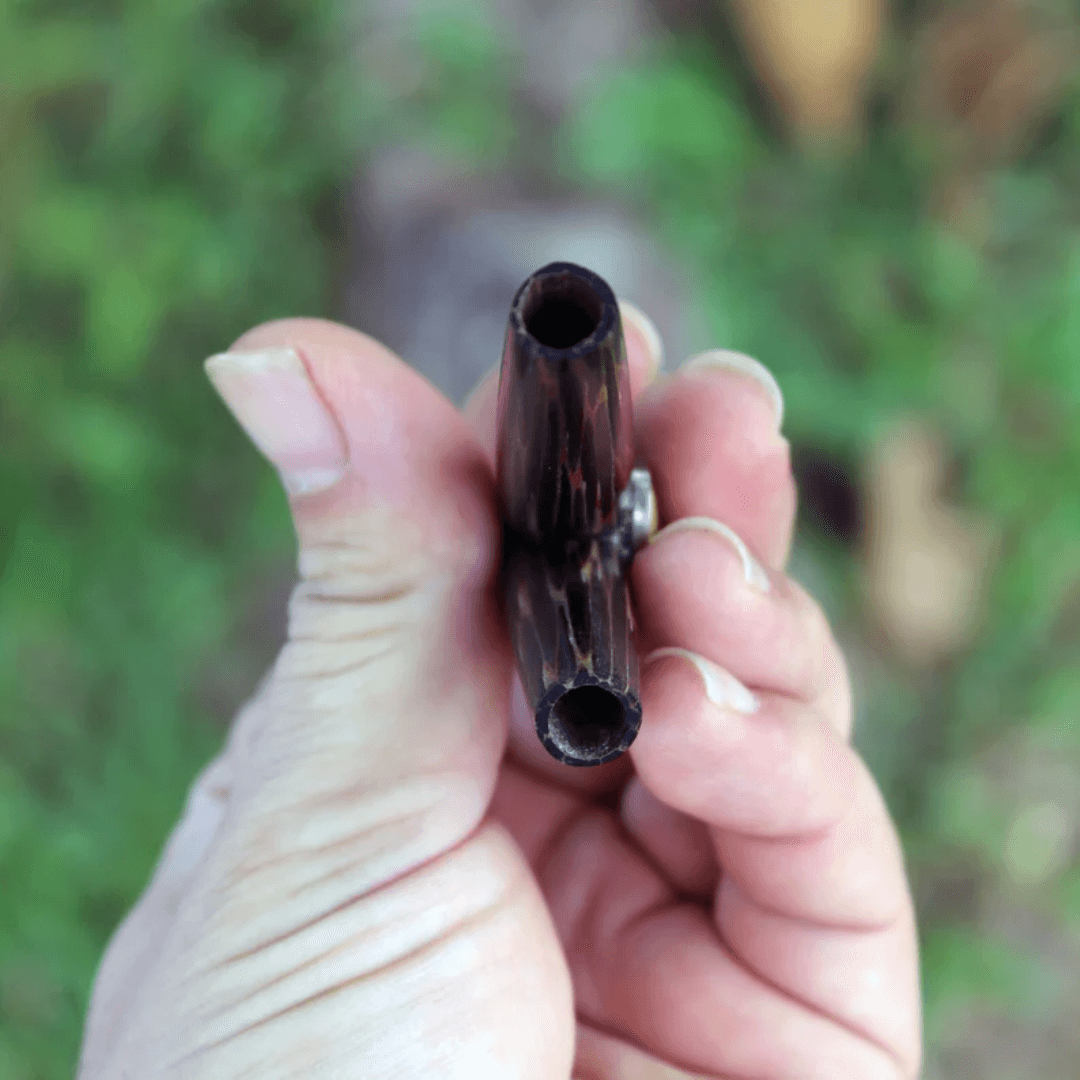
(880, 199)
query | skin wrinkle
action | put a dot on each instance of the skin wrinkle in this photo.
(278, 939)
(651, 1063)
(331, 546)
(347, 798)
(891, 922)
(780, 734)
(627, 838)
(352, 839)
(674, 902)
(579, 947)
(626, 1037)
(403, 960)
(666, 903)
(819, 835)
(325, 616)
(319, 563)
(350, 637)
(610, 816)
(410, 605)
(393, 826)
(343, 670)
(590, 916)
(793, 1000)
(340, 871)
(500, 900)
(552, 845)
(737, 958)
(869, 927)
(707, 851)
(341, 946)
(325, 561)
(374, 891)
(352, 799)
(390, 596)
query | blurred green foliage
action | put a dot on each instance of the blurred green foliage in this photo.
(171, 173)
(834, 272)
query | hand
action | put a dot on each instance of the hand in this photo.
(385, 876)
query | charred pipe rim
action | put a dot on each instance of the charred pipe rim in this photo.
(585, 742)
(563, 285)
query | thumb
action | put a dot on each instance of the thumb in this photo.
(301, 913)
(384, 715)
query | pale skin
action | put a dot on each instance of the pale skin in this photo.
(384, 875)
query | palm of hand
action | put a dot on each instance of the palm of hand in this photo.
(372, 882)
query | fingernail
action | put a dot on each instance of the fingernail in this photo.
(721, 687)
(753, 571)
(274, 401)
(641, 322)
(744, 365)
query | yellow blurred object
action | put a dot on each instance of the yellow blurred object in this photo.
(814, 57)
(985, 77)
(926, 561)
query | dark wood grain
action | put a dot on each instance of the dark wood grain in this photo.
(565, 451)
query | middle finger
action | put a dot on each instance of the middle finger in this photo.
(698, 587)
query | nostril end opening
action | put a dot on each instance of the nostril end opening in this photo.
(561, 311)
(588, 721)
(561, 324)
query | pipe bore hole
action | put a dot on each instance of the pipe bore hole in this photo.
(561, 311)
(587, 721)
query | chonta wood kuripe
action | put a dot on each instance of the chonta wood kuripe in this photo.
(574, 508)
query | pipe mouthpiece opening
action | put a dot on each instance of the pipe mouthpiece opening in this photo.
(561, 311)
(587, 722)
